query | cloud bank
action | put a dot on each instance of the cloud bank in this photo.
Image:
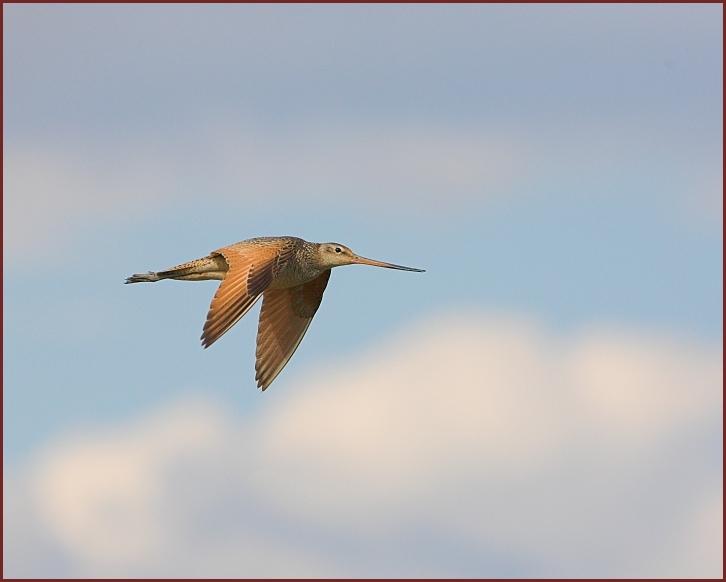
(61, 192)
(56, 192)
(464, 447)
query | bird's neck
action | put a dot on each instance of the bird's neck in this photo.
(313, 258)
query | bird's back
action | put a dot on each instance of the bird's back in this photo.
(295, 264)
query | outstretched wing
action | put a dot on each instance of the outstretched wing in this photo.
(251, 269)
(285, 317)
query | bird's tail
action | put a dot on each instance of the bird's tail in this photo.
(149, 277)
(213, 266)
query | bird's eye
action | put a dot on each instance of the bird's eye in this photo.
(337, 249)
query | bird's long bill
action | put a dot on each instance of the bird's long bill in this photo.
(363, 261)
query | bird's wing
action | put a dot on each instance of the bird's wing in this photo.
(251, 270)
(285, 317)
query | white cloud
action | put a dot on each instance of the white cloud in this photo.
(476, 447)
(55, 192)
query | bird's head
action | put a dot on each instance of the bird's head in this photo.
(336, 255)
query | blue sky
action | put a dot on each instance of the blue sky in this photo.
(556, 169)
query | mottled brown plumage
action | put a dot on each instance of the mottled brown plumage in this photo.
(290, 273)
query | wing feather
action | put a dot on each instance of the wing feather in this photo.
(251, 270)
(285, 317)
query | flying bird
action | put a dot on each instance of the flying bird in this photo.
(288, 272)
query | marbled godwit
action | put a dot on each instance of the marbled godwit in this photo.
(289, 272)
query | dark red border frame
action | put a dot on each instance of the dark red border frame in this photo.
(2, 173)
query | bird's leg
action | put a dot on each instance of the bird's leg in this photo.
(209, 267)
